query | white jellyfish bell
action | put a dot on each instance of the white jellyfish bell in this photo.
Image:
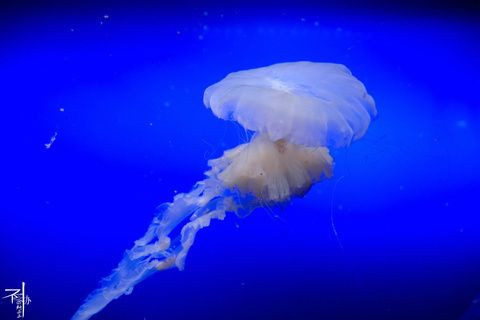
(297, 110)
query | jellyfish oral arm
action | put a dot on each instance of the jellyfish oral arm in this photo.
(253, 174)
(274, 171)
(160, 249)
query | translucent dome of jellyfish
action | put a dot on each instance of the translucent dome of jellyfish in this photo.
(297, 110)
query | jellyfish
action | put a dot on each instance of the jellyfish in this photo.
(296, 111)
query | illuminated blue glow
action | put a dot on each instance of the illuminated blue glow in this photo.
(133, 132)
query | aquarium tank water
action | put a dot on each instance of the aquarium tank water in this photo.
(240, 161)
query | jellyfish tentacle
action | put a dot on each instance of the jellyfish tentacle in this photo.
(156, 251)
(189, 231)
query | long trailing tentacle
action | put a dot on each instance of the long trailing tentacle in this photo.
(160, 248)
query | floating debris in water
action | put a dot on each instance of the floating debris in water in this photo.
(52, 140)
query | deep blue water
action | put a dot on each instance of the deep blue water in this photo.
(123, 95)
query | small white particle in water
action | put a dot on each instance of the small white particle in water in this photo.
(178, 32)
(71, 29)
(340, 207)
(175, 191)
(303, 19)
(52, 140)
(200, 37)
(205, 13)
(61, 109)
(106, 17)
(316, 24)
(150, 124)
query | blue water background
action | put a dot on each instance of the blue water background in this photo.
(133, 132)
